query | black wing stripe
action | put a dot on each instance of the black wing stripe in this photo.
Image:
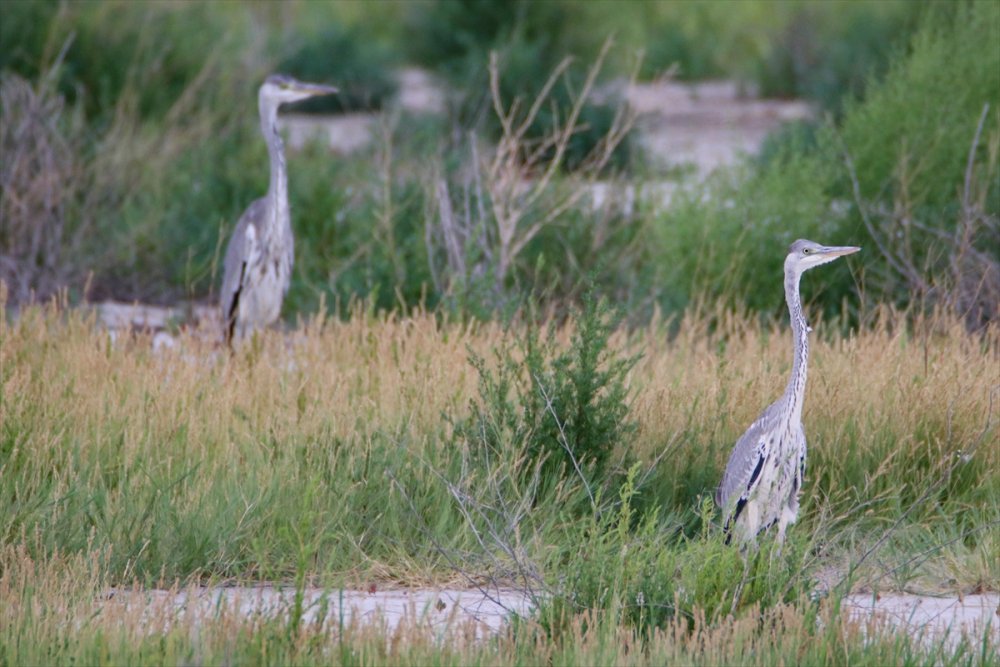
(743, 499)
(740, 504)
(755, 475)
(799, 476)
(231, 315)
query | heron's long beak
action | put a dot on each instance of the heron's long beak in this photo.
(313, 89)
(838, 250)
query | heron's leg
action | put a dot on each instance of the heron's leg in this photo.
(751, 522)
(785, 519)
(738, 593)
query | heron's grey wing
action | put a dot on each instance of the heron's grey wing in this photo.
(745, 465)
(240, 249)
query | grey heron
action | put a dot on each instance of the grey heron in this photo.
(763, 478)
(257, 267)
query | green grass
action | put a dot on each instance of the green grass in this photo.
(332, 457)
(404, 441)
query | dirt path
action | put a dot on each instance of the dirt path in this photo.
(481, 613)
(474, 613)
(933, 617)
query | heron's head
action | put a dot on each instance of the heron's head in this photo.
(804, 255)
(281, 89)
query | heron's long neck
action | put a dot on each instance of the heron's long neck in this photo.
(795, 392)
(277, 192)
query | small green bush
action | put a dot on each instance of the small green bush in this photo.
(532, 39)
(726, 241)
(831, 58)
(362, 234)
(150, 58)
(566, 412)
(691, 40)
(24, 36)
(358, 65)
(908, 144)
(164, 234)
(911, 136)
(922, 170)
(455, 36)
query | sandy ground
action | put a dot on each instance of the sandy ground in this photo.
(475, 613)
(481, 613)
(931, 616)
(202, 320)
(708, 124)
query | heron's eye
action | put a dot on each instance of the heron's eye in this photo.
(807, 251)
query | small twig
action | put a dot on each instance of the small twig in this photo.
(565, 443)
(972, 158)
(862, 209)
(441, 550)
(931, 489)
(938, 547)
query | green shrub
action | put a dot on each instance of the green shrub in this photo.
(347, 58)
(691, 39)
(602, 251)
(726, 241)
(162, 237)
(532, 39)
(563, 413)
(150, 57)
(908, 142)
(360, 231)
(24, 37)
(673, 48)
(455, 36)
(830, 56)
(911, 136)
(927, 197)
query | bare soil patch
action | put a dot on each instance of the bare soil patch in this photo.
(476, 612)
(480, 613)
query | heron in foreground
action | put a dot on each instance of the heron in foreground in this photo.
(258, 264)
(763, 478)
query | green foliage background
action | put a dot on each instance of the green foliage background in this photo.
(161, 96)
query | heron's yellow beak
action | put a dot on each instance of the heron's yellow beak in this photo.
(313, 89)
(838, 251)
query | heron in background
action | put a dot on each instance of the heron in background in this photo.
(257, 268)
(763, 478)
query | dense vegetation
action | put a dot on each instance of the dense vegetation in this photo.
(155, 143)
(581, 469)
(471, 407)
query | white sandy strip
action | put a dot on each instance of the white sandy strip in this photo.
(933, 617)
(446, 611)
(440, 610)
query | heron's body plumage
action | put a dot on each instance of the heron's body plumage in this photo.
(257, 268)
(257, 273)
(763, 478)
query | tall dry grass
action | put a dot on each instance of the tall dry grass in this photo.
(327, 455)
(330, 443)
